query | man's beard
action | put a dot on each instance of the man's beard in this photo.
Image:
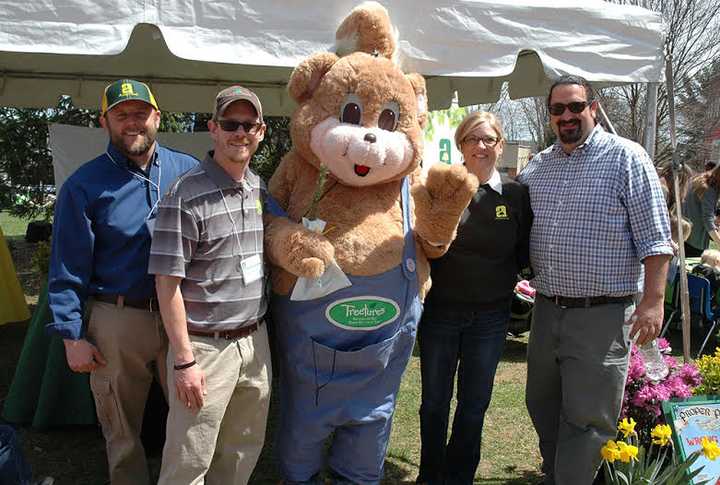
(572, 136)
(136, 148)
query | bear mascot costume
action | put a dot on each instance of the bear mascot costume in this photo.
(343, 342)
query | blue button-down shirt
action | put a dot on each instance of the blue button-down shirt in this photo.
(599, 211)
(101, 241)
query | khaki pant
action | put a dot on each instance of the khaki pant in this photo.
(220, 445)
(131, 340)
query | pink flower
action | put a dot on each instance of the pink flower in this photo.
(664, 345)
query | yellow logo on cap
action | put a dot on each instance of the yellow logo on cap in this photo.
(127, 90)
(501, 212)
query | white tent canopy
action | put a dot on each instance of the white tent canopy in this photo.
(188, 49)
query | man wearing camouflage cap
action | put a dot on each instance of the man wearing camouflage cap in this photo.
(98, 270)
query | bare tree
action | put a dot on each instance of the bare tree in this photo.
(692, 39)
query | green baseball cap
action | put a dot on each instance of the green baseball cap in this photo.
(126, 90)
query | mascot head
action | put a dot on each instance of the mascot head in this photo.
(359, 115)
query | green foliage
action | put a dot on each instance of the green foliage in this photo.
(709, 367)
(452, 116)
(41, 258)
(276, 144)
(177, 122)
(25, 160)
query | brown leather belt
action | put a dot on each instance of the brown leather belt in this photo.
(149, 304)
(587, 302)
(234, 334)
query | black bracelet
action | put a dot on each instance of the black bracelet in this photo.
(185, 365)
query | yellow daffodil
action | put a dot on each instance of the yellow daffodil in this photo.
(661, 434)
(610, 451)
(627, 427)
(710, 449)
(627, 452)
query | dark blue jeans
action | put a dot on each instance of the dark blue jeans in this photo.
(471, 342)
(14, 470)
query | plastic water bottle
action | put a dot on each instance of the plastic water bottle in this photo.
(655, 367)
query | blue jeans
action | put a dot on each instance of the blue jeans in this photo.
(14, 470)
(475, 340)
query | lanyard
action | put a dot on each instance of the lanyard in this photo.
(143, 178)
(246, 187)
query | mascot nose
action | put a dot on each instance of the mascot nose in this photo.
(370, 138)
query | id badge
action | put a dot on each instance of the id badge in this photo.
(251, 268)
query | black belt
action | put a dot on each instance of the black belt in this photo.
(233, 334)
(149, 304)
(586, 302)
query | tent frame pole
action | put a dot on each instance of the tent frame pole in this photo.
(676, 167)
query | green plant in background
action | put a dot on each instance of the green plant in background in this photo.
(25, 161)
(709, 367)
(452, 116)
(627, 462)
(276, 144)
(41, 258)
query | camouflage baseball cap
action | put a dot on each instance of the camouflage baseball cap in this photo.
(236, 93)
(126, 90)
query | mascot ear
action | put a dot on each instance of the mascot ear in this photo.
(367, 29)
(306, 77)
(418, 84)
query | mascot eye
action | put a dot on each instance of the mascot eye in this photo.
(351, 111)
(388, 117)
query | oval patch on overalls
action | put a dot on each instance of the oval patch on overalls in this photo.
(362, 312)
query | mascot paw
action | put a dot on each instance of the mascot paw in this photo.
(440, 202)
(308, 254)
(451, 186)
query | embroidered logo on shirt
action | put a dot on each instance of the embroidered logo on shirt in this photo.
(501, 212)
(258, 206)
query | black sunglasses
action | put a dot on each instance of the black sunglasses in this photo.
(250, 127)
(577, 107)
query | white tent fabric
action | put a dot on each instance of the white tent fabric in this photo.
(71, 146)
(190, 49)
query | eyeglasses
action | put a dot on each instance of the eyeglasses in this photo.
(250, 127)
(488, 141)
(577, 107)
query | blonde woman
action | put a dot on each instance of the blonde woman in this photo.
(699, 208)
(466, 315)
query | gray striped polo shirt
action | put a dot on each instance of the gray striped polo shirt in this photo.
(206, 225)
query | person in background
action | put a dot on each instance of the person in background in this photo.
(14, 469)
(699, 207)
(98, 271)
(667, 184)
(466, 315)
(600, 237)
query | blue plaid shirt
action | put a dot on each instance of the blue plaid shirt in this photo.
(598, 213)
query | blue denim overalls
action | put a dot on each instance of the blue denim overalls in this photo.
(342, 376)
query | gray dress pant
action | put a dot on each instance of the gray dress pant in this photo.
(577, 366)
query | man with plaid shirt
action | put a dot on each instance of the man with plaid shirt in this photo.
(600, 218)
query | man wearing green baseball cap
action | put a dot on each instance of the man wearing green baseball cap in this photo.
(104, 217)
